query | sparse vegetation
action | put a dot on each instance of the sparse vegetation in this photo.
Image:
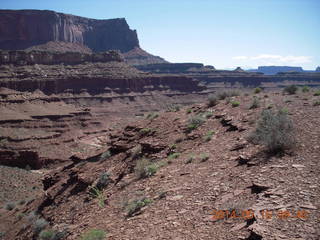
(152, 116)
(317, 93)
(135, 206)
(274, 130)
(189, 111)
(144, 168)
(97, 193)
(195, 122)
(105, 155)
(255, 103)
(174, 156)
(208, 114)
(10, 206)
(173, 108)
(292, 89)
(47, 235)
(235, 103)
(39, 225)
(208, 136)
(204, 157)
(145, 131)
(212, 100)
(103, 181)
(94, 234)
(190, 159)
(316, 103)
(136, 151)
(225, 94)
(305, 89)
(257, 90)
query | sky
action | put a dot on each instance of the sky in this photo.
(225, 33)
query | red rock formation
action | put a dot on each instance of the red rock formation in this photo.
(20, 29)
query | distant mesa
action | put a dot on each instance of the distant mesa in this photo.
(239, 69)
(272, 70)
(318, 69)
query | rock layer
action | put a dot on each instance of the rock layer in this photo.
(20, 29)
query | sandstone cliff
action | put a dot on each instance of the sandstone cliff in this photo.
(20, 29)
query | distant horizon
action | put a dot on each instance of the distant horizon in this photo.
(226, 34)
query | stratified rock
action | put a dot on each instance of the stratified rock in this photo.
(20, 29)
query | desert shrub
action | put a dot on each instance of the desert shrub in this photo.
(317, 93)
(105, 155)
(305, 89)
(274, 130)
(103, 181)
(2, 235)
(94, 234)
(98, 194)
(222, 95)
(292, 89)
(136, 151)
(173, 108)
(235, 103)
(152, 116)
(208, 114)
(204, 157)
(145, 131)
(255, 103)
(208, 136)
(135, 206)
(212, 100)
(257, 90)
(174, 156)
(10, 206)
(144, 168)
(316, 103)
(47, 235)
(195, 122)
(39, 225)
(190, 159)
(21, 202)
(189, 111)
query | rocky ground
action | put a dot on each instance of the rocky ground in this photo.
(193, 176)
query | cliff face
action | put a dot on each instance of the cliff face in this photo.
(20, 29)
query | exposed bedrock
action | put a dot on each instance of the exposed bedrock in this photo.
(20, 29)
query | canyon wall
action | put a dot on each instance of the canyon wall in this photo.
(20, 29)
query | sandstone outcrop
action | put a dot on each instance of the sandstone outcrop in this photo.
(20, 29)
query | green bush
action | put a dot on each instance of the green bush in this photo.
(204, 157)
(305, 89)
(152, 116)
(145, 131)
(135, 206)
(39, 225)
(257, 90)
(235, 103)
(255, 103)
(195, 122)
(189, 111)
(47, 235)
(190, 159)
(274, 130)
(173, 108)
(97, 193)
(208, 136)
(144, 168)
(212, 100)
(317, 93)
(316, 103)
(174, 155)
(94, 234)
(292, 89)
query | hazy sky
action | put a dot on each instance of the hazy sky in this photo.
(225, 33)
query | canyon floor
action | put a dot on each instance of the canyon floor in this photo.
(193, 174)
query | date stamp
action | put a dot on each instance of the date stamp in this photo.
(264, 214)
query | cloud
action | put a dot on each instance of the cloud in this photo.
(240, 58)
(274, 59)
